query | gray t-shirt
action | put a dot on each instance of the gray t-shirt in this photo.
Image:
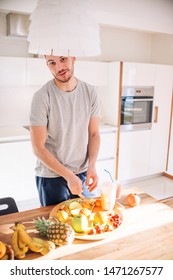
(67, 116)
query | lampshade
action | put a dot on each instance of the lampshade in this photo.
(64, 27)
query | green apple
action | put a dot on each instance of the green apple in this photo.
(80, 223)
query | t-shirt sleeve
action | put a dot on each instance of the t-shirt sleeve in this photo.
(39, 109)
(95, 104)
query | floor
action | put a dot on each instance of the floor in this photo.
(159, 187)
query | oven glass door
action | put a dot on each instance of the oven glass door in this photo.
(135, 110)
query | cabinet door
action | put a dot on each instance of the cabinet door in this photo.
(94, 73)
(134, 153)
(107, 145)
(12, 71)
(161, 118)
(138, 74)
(17, 164)
(37, 72)
(170, 156)
(109, 95)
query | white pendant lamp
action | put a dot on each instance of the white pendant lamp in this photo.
(64, 27)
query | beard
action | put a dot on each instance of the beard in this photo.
(64, 78)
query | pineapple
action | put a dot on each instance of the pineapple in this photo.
(57, 232)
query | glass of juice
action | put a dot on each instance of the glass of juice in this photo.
(108, 191)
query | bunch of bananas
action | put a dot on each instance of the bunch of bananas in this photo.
(21, 242)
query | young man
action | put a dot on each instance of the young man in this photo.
(64, 126)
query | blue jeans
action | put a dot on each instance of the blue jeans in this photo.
(55, 190)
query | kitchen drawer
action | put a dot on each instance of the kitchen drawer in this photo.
(107, 145)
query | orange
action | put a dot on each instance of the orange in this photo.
(98, 202)
(2, 249)
(133, 199)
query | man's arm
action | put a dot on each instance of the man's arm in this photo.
(93, 149)
(38, 139)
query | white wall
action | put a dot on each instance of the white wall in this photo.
(146, 15)
(162, 49)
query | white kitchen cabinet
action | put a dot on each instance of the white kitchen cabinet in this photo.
(94, 73)
(37, 71)
(107, 145)
(109, 95)
(138, 74)
(17, 164)
(161, 122)
(107, 153)
(134, 154)
(170, 155)
(12, 71)
(144, 153)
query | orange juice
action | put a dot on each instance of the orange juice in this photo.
(108, 195)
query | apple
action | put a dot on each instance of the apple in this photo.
(80, 223)
(133, 199)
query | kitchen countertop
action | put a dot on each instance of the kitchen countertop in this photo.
(145, 234)
(16, 133)
(13, 133)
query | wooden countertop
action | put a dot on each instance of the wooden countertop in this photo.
(145, 234)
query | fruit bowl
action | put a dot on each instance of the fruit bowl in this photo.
(101, 224)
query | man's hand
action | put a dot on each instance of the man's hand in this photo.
(75, 185)
(91, 179)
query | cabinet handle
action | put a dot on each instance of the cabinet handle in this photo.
(156, 108)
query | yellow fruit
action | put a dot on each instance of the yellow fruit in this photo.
(24, 247)
(4, 258)
(26, 239)
(85, 212)
(75, 208)
(62, 216)
(75, 205)
(47, 245)
(100, 218)
(2, 249)
(18, 253)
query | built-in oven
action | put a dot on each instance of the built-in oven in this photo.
(136, 107)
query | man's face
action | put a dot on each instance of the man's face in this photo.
(61, 67)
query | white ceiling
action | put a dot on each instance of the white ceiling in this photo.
(146, 15)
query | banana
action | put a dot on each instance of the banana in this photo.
(26, 239)
(24, 247)
(18, 253)
(47, 245)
